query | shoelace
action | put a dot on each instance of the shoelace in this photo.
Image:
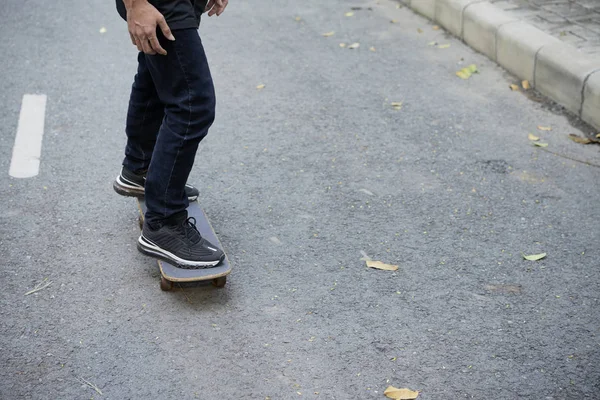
(191, 231)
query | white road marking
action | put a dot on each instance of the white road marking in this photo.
(25, 162)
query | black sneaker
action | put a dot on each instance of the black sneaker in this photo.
(179, 243)
(131, 184)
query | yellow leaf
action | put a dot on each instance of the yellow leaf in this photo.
(372, 48)
(400, 394)
(534, 257)
(532, 137)
(466, 72)
(298, 19)
(526, 85)
(342, 44)
(598, 135)
(539, 144)
(396, 104)
(329, 34)
(103, 30)
(354, 46)
(380, 265)
(544, 128)
(443, 46)
(435, 28)
(514, 87)
(262, 86)
(349, 14)
(432, 43)
(393, 21)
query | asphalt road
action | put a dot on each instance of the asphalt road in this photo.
(300, 179)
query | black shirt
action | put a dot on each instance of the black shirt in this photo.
(180, 14)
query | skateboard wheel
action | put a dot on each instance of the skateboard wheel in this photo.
(219, 282)
(165, 284)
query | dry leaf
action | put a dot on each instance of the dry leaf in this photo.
(435, 28)
(103, 30)
(540, 144)
(380, 265)
(514, 87)
(342, 44)
(579, 139)
(354, 46)
(598, 135)
(526, 85)
(466, 72)
(544, 128)
(349, 14)
(432, 43)
(393, 21)
(400, 394)
(419, 30)
(532, 137)
(443, 46)
(397, 105)
(298, 19)
(372, 48)
(534, 257)
(260, 87)
(329, 34)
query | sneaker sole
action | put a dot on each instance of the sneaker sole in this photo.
(127, 190)
(147, 248)
(130, 191)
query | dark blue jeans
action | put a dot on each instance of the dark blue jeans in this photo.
(171, 107)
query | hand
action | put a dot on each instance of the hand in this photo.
(216, 7)
(142, 19)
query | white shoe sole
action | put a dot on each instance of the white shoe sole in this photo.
(151, 249)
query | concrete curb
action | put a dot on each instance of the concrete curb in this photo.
(554, 68)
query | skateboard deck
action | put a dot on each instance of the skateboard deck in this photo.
(171, 274)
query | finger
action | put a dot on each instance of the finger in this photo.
(209, 5)
(147, 48)
(132, 39)
(164, 27)
(225, 2)
(213, 10)
(215, 7)
(154, 43)
(138, 44)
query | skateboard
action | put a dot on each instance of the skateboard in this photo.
(171, 274)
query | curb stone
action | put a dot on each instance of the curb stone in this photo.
(554, 68)
(518, 55)
(480, 27)
(590, 110)
(561, 72)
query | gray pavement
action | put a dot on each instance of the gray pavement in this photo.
(576, 22)
(298, 178)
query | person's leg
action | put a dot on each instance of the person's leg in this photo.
(184, 85)
(144, 117)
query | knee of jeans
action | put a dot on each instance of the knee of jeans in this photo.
(202, 113)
